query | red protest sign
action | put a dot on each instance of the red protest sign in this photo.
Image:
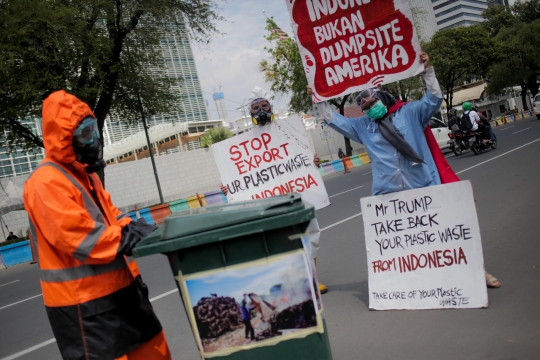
(349, 45)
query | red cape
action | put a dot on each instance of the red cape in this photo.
(446, 173)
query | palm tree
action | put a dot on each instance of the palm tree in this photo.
(215, 135)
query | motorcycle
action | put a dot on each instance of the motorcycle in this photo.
(459, 142)
(471, 140)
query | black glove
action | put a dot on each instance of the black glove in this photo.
(132, 233)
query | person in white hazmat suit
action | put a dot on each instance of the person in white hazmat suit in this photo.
(261, 113)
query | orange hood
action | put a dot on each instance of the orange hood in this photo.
(61, 114)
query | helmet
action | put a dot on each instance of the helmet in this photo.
(452, 112)
(467, 106)
(261, 111)
(474, 107)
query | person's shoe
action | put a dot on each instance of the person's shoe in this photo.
(322, 288)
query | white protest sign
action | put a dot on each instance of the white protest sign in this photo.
(270, 160)
(424, 249)
(350, 45)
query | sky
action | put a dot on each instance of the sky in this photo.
(231, 60)
(255, 279)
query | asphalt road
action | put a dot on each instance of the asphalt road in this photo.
(505, 183)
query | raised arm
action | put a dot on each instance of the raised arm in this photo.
(336, 121)
(431, 102)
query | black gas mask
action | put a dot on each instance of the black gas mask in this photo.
(261, 112)
(87, 147)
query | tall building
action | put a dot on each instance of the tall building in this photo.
(454, 13)
(20, 162)
(500, 2)
(180, 63)
(219, 98)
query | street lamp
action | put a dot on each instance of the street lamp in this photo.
(145, 126)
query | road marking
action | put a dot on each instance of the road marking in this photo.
(462, 171)
(29, 350)
(339, 222)
(508, 128)
(366, 173)
(508, 152)
(163, 295)
(9, 283)
(50, 341)
(18, 302)
(520, 130)
(33, 348)
(358, 187)
(449, 156)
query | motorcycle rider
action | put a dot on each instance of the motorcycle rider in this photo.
(485, 121)
(453, 120)
(477, 124)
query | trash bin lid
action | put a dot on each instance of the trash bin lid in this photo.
(202, 219)
(194, 227)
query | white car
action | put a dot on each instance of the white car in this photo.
(440, 132)
(536, 106)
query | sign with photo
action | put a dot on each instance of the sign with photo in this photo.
(424, 249)
(347, 46)
(270, 160)
(255, 304)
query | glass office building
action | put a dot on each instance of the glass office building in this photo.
(454, 13)
(180, 63)
(20, 162)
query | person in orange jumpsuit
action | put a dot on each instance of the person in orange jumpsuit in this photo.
(95, 299)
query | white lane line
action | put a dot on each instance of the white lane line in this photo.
(18, 302)
(520, 130)
(29, 350)
(9, 283)
(449, 156)
(14, 356)
(366, 173)
(50, 341)
(358, 187)
(339, 222)
(163, 295)
(508, 152)
(462, 171)
(507, 128)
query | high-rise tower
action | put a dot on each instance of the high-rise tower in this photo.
(180, 63)
(454, 13)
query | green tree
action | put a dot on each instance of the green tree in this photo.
(408, 89)
(520, 60)
(496, 18)
(516, 32)
(215, 135)
(106, 52)
(527, 11)
(286, 72)
(460, 53)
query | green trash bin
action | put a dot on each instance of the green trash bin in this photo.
(242, 271)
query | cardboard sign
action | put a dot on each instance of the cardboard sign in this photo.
(350, 45)
(254, 304)
(424, 249)
(270, 160)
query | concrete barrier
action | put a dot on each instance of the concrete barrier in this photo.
(17, 253)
